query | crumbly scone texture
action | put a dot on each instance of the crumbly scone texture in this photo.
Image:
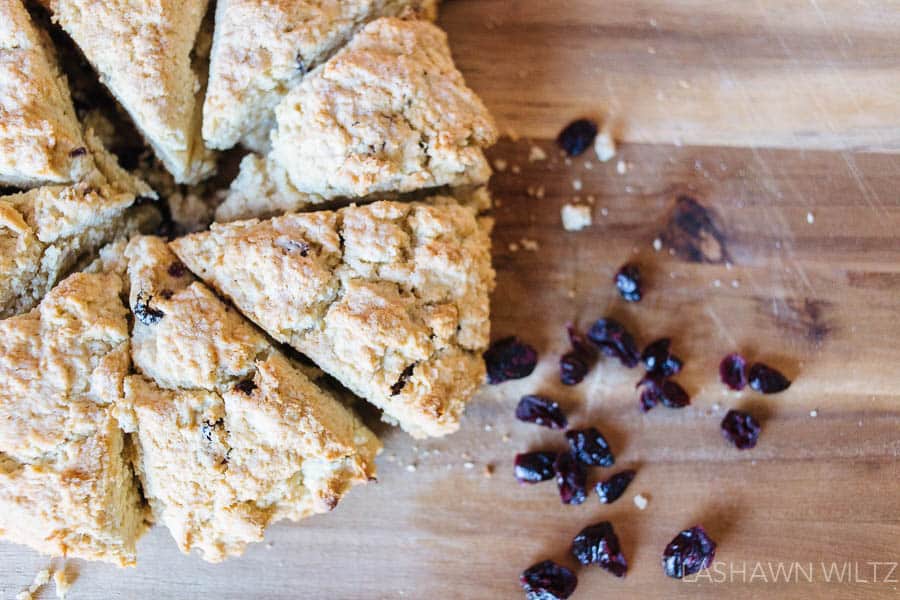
(262, 190)
(230, 436)
(390, 298)
(48, 232)
(142, 51)
(389, 113)
(66, 484)
(263, 48)
(40, 138)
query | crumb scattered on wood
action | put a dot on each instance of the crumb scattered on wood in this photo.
(530, 245)
(536, 153)
(641, 501)
(604, 146)
(621, 167)
(575, 217)
(500, 165)
(40, 580)
(62, 582)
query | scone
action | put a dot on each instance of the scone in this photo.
(389, 114)
(66, 484)
(230, 436)
(263, 48)
(142, 52)
(40, 138)
(48, 232)
(390, 298)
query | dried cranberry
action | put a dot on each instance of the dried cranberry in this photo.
(575, 364)
(657, 358)
(673, 395)
(767, 380)
(177, 269)
(613, 340)
(581, 345)
(599, 545)
(548, 581)
(534, 467)
(572, 368)
(612, 489)
(398, 386)
(657, 390)
(741, 429)
(628, 281)
(509, 359)
(733, 371)
(541, 411)
(688, 553)
(143, 311)
(577, 136)
(649, 397)
(571, 479)
(590, 447)
(245, 387)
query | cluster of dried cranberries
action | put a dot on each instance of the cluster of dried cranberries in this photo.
(587, 448)
(692, 549)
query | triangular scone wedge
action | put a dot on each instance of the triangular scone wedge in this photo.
(66, 484)
(263, 48)
(230, 435)
(391, 298)
(48, 232)
(40, 138)
(142, 52)
(389, 113)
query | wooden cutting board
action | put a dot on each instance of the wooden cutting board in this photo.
(798, 265)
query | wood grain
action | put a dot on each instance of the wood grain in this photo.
(817, 299)
(770, 73)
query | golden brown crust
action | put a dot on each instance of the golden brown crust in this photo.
(66, 487)
(389, 113)
(389, 298)
(263, 48)
(230, 436)
(142, 51)
(39, 135)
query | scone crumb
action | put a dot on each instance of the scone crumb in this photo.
(530, 245)
(40, 580)
(621, 167)
(500, 165)
(576, 185)
(536, 154)
(513, 247)
(641, 501)
(575, 217)
(604, 146)
(488, 470)
(469, 465)
(515, 169)
(62, 582)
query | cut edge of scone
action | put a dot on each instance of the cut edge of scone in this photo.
(289, 39)
(390, 112)
(230, 436)
(143, 56)
(391, 299)
(40, 138)
(67, 487)
(51, 231)
(261, 190)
